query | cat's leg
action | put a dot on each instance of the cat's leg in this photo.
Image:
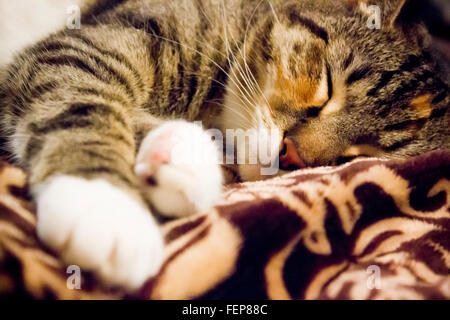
(68, 112)
(89, 207)
(178, 169)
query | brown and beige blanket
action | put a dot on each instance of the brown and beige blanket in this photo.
(372, 229)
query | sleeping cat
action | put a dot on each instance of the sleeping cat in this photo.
(95, 114)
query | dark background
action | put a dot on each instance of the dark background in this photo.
(436, 15)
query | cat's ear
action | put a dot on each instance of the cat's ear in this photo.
(407, 16)
(397, 15)
(393, 13)
(403, 13)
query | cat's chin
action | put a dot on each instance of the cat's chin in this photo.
(256, 172)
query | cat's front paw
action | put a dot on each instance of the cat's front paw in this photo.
(100, 228)
(177, 166)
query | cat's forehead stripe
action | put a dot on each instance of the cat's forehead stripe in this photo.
(318, 31)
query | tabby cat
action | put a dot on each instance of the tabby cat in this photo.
(94, 114)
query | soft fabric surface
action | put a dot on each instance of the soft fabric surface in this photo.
(314, 234)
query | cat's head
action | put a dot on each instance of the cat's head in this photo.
(335, 81)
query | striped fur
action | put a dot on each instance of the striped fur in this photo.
(173, 59)
(79, 102)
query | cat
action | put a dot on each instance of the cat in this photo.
(95, 114)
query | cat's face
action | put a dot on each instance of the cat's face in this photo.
(337, 89)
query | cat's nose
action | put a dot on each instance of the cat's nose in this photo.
(289, 158)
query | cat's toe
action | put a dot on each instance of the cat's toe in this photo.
(177, 166)
(100, 228)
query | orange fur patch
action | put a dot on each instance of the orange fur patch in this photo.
(299, 91)
(422, 106)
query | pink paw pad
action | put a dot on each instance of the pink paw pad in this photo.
(163, 146)
(162, 157)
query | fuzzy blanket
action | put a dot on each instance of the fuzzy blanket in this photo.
(372, 229)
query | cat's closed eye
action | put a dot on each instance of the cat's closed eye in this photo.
(315, 110)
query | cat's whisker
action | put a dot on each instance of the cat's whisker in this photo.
(241, 88)
(245, 119)
(244, 53)
(202, 54)
(230, 51)
(243, 103)
(241, 122)
(252, 79)
(249, 88)
(249, 72)
(273, 11)
(244, 76)
(251, 83)
(224, 85)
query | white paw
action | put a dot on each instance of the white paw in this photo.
(100, 228)
(177, 166)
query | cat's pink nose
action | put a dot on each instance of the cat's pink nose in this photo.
(289, 158)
